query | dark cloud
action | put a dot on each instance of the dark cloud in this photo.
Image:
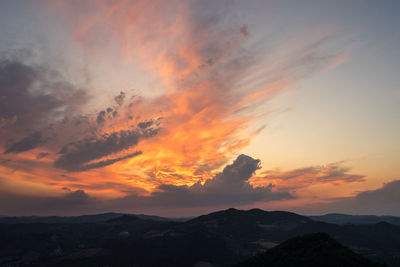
(37, 105)
(108, 162)
(120, 98)
(146, 124)
(17, 82)
(33, 97)
(107, 114)
(34, 94)
(123, 187)
(30, 142)
(76, 155)
(67, 204)
(382, 201)
(101, 117)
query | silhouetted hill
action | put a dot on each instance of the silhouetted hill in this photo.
(311, 250)
(259, 216)
(355, 219)
(246, 231)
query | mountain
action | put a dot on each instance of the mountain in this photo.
(338, 218)
(311, 250)
(259, 216)
(221, 238)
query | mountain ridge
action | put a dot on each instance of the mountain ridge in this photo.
(219, 238)
(335, 218)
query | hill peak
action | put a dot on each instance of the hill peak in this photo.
(311, 250)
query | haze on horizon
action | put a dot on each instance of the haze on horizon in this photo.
(178, 108)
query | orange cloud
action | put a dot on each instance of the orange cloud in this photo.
(212, 80)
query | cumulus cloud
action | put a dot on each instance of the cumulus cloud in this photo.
(76, 156)
(228, 188)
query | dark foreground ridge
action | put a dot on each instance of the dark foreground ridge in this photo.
(221, 238)
(311, 250)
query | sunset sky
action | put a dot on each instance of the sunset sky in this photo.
(178, 108)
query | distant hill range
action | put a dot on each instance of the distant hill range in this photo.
(81, 219)
(222, 238)
(338, 218)
(335, 218)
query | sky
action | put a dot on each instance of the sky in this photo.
(183, 107)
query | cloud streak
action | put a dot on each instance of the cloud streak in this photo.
(30, 142)
(334, 173)
(76, 156)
